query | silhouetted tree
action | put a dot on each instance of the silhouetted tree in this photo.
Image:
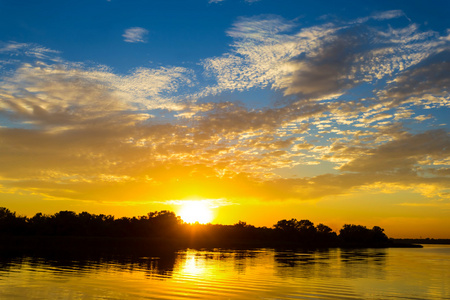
(325, 235)
(10, 223)
(6, 214)
(323, 229)
(378, 234)
(163, 223)
(65, 223)
(240, 224)
(39, 225)
(166, 226)
(288, 226)
(306, 228)
(357, 234)
(295, 230)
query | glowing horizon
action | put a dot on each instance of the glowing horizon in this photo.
(195, 211)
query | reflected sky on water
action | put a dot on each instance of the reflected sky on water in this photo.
(232, 274)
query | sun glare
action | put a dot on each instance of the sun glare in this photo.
(196, 211)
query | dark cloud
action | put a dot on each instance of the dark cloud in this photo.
(430, 77)
(329, 71)
(90, 141)
(403, 153)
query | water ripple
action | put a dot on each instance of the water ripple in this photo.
(232, 274)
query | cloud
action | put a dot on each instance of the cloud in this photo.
(404, 153)
(385, 15)
(28, 49)
(84, 132)
(12, 47)
(426, 81)
(320, 62)
(135, 35)
(262, 46)
(327, 73)
(71, 85)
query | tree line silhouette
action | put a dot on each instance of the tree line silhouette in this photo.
(164, 227)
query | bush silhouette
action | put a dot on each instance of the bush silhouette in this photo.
(166, 226)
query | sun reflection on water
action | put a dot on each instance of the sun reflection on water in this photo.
(234, 274)
(192, 265)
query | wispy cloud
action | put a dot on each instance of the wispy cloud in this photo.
(268, 51)
(385, 15)
(88, 133)
(135, 35)
(12, 47)
(65, 84)
(28, 49)
(428, 82)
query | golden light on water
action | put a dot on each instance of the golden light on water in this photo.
(196, 211)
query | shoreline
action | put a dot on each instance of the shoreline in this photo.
(124, 245)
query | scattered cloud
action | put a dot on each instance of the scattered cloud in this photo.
(319, 62)
(27, 49)
(427, 82)
(404, 153)
(12, 47)
(135, 35)
(79, 132)
(72, 85)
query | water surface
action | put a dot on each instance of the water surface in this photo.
(234, 274)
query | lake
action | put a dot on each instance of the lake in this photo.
(395, 273)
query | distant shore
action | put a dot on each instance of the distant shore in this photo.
(140, 246)
(422, 241)
(72, 232)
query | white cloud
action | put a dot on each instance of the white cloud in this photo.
(262, 48)
(386, 15)
(447, 37)
(135, 35)
(30, 50)
(12, 47)
(70, 85)
(104, 116)
(390, 14)
(268, 51)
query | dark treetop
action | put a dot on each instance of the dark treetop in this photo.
(84, 230)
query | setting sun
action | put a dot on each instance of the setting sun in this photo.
(196, 211)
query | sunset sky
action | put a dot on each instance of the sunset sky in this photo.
(332, 111)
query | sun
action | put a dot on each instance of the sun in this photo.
(196, 211)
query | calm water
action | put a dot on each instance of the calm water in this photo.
(230, 274)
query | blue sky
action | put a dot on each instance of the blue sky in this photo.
(289, 101)
(179, 31)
